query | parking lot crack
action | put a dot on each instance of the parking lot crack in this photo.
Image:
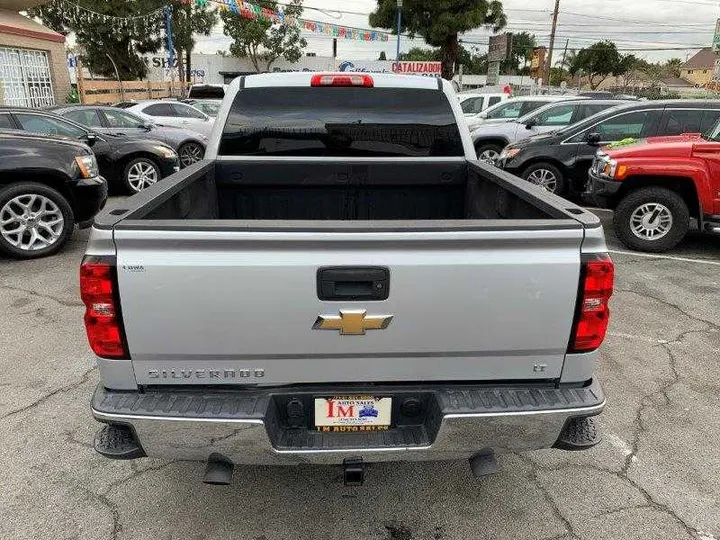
(62, 302)
(62, 390)
(110, 505)
(676, 307)
(114, 485)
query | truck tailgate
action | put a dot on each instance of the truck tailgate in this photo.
(239, 307)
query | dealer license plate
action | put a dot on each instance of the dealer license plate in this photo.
(353, 413)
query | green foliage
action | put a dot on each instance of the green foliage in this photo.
(672, 67)
(440, 21)
(418, 54)
(598, 62)
(123, 41)
(263, 42)
(382, 56)
(189, 20)
(72, 96)
(523, 44)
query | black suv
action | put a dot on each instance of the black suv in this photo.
(560, 161)
(47, 185)
(128, 164)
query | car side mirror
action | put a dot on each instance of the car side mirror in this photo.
(594, 139)
(147, 126)
(531, 123)
(90, 139)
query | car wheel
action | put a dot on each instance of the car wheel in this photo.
(35, 220)
(190, 153)
(488, 153)
(652, 219)
(546, 176)
(140, 173)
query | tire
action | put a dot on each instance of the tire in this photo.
(35, 220)
(492, 152)
(547, 176)
(189, 153)
(648, 212)
(140, 173)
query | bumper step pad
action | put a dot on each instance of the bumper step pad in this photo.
(117, 442)
(579, 434)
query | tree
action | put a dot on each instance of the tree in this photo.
(262, 41)
(382, 56)
(672, 67)
(629, 70)
(598, 62)
(440, 21)
(521, 53)
(418, 54)
(188, 20)
(105, 39)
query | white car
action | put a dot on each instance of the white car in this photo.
(165, 112)
(490, 139)
(473, 103)
(512, 109)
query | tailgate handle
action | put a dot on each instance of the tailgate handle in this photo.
(353, 284)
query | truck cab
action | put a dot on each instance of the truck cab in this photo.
(657, 185)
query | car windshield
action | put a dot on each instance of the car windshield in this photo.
(712, 134)
(208, 107)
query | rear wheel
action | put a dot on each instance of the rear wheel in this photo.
(547, 176)
(652, 219)
(190, 153)
(35, 220)
(139, 174)
(488, 152)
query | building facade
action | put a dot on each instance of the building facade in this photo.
(33, 64)
(700, 69)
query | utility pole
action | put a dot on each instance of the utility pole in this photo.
(399, 25)
(567, 43)
(552, 42)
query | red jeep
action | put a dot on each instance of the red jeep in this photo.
(656, 185)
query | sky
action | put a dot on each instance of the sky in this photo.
(632, 24)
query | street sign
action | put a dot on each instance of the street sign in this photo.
(500, 47)
(493, 76)
(716, 39)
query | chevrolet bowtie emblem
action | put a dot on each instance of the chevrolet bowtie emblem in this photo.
(352, 323)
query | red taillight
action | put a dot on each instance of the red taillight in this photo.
(332, 79)
(102, 312)
(593, 311)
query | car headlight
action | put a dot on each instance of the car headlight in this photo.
(509, 153)
(165, 151)
(88, 166)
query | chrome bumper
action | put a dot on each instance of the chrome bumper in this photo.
(460, 422)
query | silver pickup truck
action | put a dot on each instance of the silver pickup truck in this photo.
(340, 281)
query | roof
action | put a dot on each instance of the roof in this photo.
(16, 24)
(704, 59)
(302, 78)
(675, 81)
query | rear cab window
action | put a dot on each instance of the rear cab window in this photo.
(159, 109)
(343, 122)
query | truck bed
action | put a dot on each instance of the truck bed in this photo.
(447, 192)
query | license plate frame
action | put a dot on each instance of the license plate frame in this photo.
(352, 413)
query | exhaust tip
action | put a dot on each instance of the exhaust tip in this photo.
(218, 471)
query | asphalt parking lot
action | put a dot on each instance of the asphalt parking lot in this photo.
(656, 475)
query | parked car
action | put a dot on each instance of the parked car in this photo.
(560, 161)
(656, 185)
(47, 186)
(207, 91)
(512, 109)
(208, 106)
(127, 164)
(490, 139)
(304, 296)
(174, 113)
(473, 103)
(189, 145)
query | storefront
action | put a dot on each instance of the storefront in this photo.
(33, 69)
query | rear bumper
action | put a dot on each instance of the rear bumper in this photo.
(88, 197)
(250, 426)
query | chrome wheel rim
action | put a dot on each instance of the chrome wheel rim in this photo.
(141, 175)
(544, 178)
(31, 222)
(190, 153)
(489, 156)
(651, 221)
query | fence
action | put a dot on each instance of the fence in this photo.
(108, 92)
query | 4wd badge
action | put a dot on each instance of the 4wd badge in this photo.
(352, 322)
